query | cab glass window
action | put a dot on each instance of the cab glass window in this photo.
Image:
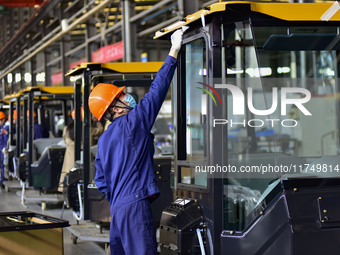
(195, 127)
(288, 123)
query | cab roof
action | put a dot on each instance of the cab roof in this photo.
(118, 67)
(322, 12)
(50, 90)
(63, 90)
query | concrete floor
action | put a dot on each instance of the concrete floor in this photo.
(10, 202)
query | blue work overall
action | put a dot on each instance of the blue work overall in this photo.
(124, 164)
(40, 131)
(4, 129)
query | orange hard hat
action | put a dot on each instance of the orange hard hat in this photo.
(73, 113)
(14, 115)
(101, 97)
(2, 115)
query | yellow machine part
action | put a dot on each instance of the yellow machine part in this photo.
(118, 67)
(284, 11)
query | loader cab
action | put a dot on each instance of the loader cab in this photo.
(14, 147)
(28, 158)
(257, 119)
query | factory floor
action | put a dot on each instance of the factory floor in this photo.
(10, 202)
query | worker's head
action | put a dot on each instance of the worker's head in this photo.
(120, 106)
(109, 101)
(2, 117)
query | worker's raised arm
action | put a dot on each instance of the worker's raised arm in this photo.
(147, 109)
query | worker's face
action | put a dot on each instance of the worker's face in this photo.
(2, 121)
(117, 108)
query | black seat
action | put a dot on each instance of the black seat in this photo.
(11, 154)
(39, 145)
(20, 165)
(46, 171)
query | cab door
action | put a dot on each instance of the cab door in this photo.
(195, 139)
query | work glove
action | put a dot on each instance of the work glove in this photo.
(176, 39)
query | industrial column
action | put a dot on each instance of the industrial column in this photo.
(90, 32)
(47, 69)
(33, 66)
(65, 46)
(129, 32)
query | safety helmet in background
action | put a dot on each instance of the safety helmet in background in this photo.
(73, 113)
(101, 98)
(2, 115)
(14, 115)
(34, 114)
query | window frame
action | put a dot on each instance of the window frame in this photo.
(181, 117)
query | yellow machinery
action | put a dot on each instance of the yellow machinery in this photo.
(43, 174)
(31, 233)
(256, 127)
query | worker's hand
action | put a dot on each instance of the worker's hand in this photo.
(176, 39)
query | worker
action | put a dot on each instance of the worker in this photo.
(124, 161)
(4, 131)
(14, 117)
(68, 136)
(68, 163)
(40, 130)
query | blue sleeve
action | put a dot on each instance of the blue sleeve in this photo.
(147, 109)
(3, 137)
(7, 134)
(100, 178)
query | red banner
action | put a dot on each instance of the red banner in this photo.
(57, 78)
(20, 3)
(105, 54)
(109, 53)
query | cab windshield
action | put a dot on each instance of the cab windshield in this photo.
(281, 112)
